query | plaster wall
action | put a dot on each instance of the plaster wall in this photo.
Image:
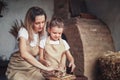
(16, 10)
(109, 12)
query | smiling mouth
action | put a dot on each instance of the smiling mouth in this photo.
(40, 28)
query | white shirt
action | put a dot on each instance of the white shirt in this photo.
(24, 33)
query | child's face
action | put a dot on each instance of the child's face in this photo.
(55, 33)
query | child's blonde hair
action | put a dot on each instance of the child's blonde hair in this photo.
(56, 22)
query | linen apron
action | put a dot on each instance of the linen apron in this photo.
(54, 53)
(19, 69)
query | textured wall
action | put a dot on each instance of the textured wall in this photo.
(109, 12)
(16, 9)
(61, 8)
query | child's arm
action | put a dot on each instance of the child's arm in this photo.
(71, 60)
(41, 57)
(62, 64)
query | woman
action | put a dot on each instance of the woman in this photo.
(23, 64)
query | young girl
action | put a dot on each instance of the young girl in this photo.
(23, 64)
(54, 50)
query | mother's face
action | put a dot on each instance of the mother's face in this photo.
(39, 23)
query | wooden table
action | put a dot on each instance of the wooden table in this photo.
(81, 77)
(70, 77)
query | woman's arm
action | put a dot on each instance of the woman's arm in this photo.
(27, 56)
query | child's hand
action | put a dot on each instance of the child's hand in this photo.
(72, 65)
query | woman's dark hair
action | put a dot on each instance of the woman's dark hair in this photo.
(35, 11)
(30, 18)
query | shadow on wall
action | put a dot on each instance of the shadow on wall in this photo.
(3, 67)
(3, 5)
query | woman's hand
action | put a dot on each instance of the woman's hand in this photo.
(50, 69)
(46, 63)
(61, 67)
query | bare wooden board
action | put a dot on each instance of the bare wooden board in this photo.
(66, 77)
